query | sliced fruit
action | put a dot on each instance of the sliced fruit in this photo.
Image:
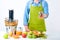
(10, 34)
(36, 33)
(15, 36)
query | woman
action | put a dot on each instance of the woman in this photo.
(38, 10)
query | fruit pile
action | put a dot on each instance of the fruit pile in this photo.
(31, 34)
(10, 34)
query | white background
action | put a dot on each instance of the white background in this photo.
(52, 22)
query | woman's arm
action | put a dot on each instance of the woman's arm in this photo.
(45, 6)
(26, 17)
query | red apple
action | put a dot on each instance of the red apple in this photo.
(24, 35)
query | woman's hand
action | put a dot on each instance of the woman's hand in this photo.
(42, 16)
(27, 29)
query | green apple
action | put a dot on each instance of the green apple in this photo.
(29, 36)
(33, 36)
(5, 36)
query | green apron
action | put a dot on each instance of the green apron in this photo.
(35, 23)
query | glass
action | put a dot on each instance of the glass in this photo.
(19, 31)
(19, 28)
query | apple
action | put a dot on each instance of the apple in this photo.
(33, 36)
(5, 36)
(41, 15)
(24, 35)
(29, 36)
